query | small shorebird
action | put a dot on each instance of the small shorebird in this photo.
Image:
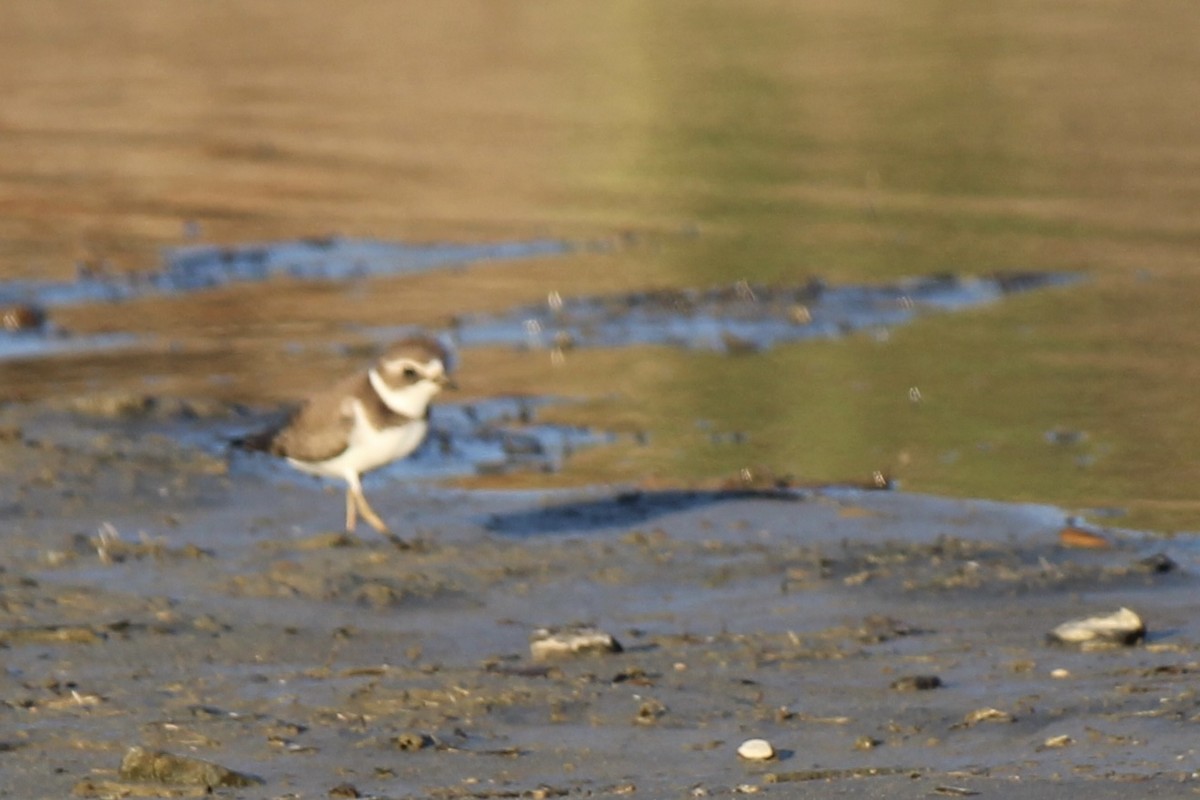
(363, 422)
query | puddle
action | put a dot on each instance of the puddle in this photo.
(199, 267)
(741, 317)
(487, 437)
(493, 436)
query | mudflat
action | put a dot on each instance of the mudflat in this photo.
(170, 614)
(158, 596)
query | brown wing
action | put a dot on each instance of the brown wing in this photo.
(321, 428)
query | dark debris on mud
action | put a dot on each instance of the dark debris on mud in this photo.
(981, 569)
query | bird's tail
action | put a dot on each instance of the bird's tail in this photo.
(257, 442)
(263, 430)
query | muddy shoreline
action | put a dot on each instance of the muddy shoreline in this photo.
(155, 597)
(159, 600)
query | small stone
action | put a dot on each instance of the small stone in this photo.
(916, 683)
(570, 641)
(650, 711)
(112, 406)
(756, 750)
(1060, 673)
(344, 790)
(1123, 627)
(155, 766)
(1065, 438)
(1157, 564)
(1062, 740)
(411, 740)
(22, 318)
(866, 743)
(987, 715)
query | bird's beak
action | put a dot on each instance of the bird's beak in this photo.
(446, 381)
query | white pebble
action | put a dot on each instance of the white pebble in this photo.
(756, 750)
(545, 643)
(1122, 627)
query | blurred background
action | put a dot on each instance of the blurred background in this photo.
(669, 145)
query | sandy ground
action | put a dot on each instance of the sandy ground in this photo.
(168, 600)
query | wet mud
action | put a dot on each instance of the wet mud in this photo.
(174, 625)
(741, 317)
(27, 307)
(738, 318)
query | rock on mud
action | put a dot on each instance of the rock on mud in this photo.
(411, 741)
(547, 643)
(916, 683)
(756, 750)
(1062, 740)
(156, 766)
(985, 715)
(1121, 628)
(21, 318)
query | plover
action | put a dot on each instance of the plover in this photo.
(367, 420)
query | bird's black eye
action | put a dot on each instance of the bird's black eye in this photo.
(410, 373)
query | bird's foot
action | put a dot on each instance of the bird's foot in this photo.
(401, 544)
(344, 539)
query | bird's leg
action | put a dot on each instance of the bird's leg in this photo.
(351, 511)
(368, 513)
(357, 501)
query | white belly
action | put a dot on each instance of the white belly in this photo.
(369, 449)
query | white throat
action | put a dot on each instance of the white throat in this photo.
(410, 401)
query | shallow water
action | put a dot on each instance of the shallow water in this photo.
(194, 268)
(495, 436)
(848, 142)
(736, 319)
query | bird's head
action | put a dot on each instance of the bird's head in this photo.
(411, 373)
